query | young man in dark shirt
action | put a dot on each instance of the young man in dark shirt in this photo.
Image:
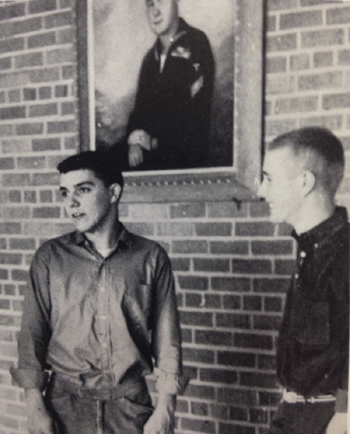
(302, 171)
(170, 124)
(100, 313)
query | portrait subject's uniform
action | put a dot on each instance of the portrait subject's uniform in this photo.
(100, 324)
(173, 101)
(313, 345)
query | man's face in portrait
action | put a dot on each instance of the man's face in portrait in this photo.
(281, 185)
(87, 200)
(162, 15)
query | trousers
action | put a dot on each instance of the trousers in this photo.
(302, 418)
(99, 412)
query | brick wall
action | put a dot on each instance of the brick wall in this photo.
(231, 264)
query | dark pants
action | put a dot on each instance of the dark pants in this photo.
(302, 418)
(102, 412)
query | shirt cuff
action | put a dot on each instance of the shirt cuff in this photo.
(30, 378)
(341, 403)
(170, 383)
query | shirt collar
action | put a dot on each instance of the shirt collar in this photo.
(320, 233)
(182, 30)
(125, 237)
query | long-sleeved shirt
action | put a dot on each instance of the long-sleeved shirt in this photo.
(313, 347)
(173, 101)
(97, 321)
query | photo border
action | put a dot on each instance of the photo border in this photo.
(238, 182)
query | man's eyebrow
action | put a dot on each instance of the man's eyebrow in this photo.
(79, 185)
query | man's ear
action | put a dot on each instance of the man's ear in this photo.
(116, 192)
(308, 182)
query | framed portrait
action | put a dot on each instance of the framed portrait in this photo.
(173, 89)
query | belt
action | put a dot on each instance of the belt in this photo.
(128, 387)
(292, 398)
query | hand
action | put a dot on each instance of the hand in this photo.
(39, 420)
(135, 155)
(338, 424)
(162, 420)
(141, 138)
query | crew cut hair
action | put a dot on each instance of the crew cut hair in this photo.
(320, 151)
(102, 163)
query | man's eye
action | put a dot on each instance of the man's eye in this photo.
(83, 190)
(64, 194)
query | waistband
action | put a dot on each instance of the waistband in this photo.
(128, 387)
(292, 398)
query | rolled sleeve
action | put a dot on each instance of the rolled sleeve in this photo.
(30, 378)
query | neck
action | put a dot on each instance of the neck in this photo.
(316, 210)
(105, 237)
(167, 38)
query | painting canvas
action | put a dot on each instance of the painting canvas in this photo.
(123, 39)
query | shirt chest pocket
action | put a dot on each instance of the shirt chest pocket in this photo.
(310, 323)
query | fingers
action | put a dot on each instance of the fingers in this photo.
(135, 155)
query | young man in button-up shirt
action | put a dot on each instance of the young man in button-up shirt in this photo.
(301, 173)
(100, 313)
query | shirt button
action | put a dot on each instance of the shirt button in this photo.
(302, 254)
(296, 275)
(316, 245)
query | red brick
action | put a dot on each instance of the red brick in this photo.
(206, 337)
(197, 355)
(14, 95)
(27, 26)
(45, 92)
(227, 209)
(203, 301)
(13, 112)
(66, 36)
(218, 376)
(22, 243)
(284, 266)
(42, 40)
(259, 209)
(278, 247)
(46, 196)
(271, 285)
(195, 391)
(273, 304)
(246, 340)
(7, 163)
(3, 244)
(193, 282)
(231, 302)
(4, 274)
(338, 16)
(235, 321)
(42, 145)
(31, 162)
(58, 20)
(332, 122)
(46, 74)
(38, 6)
(29, 94)
(12, 11)
(336, 101)
(238, 413)
(10, 258)
(299, 62)
(214, 265)
(320, 81)
(29, 129)
(175, 229)
(40, 110)
(269, 398)
(30, 196)
(322, 38)
(45, 179)
(264, 380)
(10, 228)
(259, 415)
(344, 57)
(296, 105)
(271, 23)
(235, 396)
(252, 266)
(16, 179)
(67, 108)
(275, 5)
(68, 72)
(190, 246)
(266, 322)
(323, 59)
(61, 91)
(276, 64)
(235, 358)
(5, 63)
(252, 302)
(213, 229)
(17, 212)
(47, 212)
(19, 275)
(198, 425)
(267, 362)
(313, 2)
(286, 42)
(60, 55)
(187, 210)
(231, 284)
(197, 319)
(229, 247)
(300, 19)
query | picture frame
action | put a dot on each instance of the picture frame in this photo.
(236, 182)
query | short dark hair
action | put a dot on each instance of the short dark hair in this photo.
(102, 163)
(321, 150)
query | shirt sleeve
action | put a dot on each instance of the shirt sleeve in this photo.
(166, 336)
(35, 330)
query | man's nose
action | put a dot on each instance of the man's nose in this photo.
(72, 201)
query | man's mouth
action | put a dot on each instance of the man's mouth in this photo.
(77, 215)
